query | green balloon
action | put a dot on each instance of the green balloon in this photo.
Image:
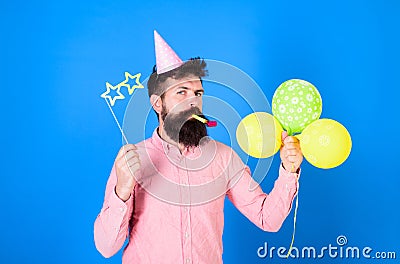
(296, 104)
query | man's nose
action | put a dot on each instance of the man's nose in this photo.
(194, 101)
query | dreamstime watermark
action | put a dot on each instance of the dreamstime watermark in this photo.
(339, 250)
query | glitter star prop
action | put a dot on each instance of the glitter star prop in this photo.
(106, 95)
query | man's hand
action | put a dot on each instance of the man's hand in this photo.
(291, 155)
(126, 164)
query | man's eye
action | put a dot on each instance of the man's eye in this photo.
(181, 92)
(199, 94)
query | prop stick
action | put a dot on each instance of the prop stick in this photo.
(205, 121)
(116, 120)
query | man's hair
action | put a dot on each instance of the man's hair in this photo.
(194, 66)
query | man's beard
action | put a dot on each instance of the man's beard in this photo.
(183, 129)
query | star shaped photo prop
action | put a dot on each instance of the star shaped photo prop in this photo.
(127, 84)
(112, 98)
(113, 93)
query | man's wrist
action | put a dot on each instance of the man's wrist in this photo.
(123, 196)
(292, 170)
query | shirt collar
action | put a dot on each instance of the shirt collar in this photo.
(168, 148)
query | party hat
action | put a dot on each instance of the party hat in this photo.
(166, 58)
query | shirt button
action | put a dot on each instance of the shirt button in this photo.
(121, 209)
(186, 234)
(187, 260)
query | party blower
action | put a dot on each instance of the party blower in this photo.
(209, 123)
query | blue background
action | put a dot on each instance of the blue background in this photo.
(59, 140)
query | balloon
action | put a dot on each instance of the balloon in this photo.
(325, 143)
(296, 104)
(259, 135)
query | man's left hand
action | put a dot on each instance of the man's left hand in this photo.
(291, 154)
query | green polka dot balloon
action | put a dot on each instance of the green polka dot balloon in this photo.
(296, 104)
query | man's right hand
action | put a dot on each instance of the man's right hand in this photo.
(126, 164)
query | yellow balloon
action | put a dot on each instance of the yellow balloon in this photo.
(325, 143)
(259, 135)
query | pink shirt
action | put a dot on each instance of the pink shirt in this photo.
(176, 211)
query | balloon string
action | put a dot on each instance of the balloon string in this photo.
(295, 217)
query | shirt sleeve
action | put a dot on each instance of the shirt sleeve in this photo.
(267, 211)
(111, 225)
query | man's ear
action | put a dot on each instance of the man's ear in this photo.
(156, 103)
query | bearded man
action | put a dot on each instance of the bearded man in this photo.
(166, 193)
